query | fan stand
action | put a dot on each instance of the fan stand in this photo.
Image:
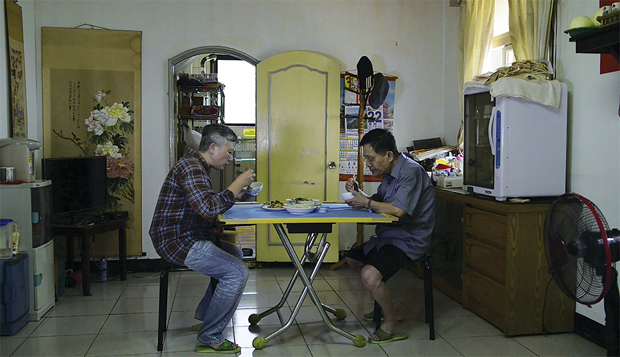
(612, 316)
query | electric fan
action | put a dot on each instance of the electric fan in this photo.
(582, 251)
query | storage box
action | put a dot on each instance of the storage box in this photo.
(450, 182)
(15, 294)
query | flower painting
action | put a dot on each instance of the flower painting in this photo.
(92, 104)
(108, 127)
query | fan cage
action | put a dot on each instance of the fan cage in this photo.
(581, 271)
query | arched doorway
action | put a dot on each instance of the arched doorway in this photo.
(210, 58)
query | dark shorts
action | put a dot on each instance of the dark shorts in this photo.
(388, 260)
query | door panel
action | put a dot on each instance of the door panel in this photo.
(297, 130)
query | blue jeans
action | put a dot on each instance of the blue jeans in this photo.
(226, 265)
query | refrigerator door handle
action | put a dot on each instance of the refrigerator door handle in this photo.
(490, 130)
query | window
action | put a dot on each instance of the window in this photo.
(501, 53)
(239, 78)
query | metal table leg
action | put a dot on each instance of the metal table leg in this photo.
(261, 342)
(255, 318)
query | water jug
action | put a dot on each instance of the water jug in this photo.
(7, 229)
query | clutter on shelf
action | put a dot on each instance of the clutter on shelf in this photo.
(448, 171)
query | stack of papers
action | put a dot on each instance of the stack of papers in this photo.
(423, 154)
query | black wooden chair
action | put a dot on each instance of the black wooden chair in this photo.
(428, 298)
(163, 299)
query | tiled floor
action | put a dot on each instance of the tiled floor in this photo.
(120, 318)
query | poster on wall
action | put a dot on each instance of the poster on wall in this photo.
(380, 118)
(17, 74)
(92, 107)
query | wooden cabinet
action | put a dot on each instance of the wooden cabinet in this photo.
(505, 276)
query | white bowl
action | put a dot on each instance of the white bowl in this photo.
(300, 208)
(347, 196)
(254, 189)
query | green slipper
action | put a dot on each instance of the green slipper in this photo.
(385, 337)
(370, 316)
(225, 347)
(196, 327)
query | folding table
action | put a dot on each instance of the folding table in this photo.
(313, 224)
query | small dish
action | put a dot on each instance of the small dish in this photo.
(300, 208)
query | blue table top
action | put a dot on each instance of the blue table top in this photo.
(336, 213)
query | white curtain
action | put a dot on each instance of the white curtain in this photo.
(475, 36)
(530, 27)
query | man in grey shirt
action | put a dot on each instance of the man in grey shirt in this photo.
(406, 192)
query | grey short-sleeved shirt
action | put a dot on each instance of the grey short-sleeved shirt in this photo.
(409, 188)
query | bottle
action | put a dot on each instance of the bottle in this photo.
(103, 269)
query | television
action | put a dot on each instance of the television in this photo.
(79, 185)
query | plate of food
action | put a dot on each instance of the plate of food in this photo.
(299, 208)
(273, 206)
(303, 201)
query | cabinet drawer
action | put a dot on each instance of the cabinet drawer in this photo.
(485, 259)
(485, 291)
(491, 226)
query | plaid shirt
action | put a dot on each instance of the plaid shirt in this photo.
(187, 208)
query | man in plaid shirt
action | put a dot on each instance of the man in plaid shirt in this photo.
(183, 226)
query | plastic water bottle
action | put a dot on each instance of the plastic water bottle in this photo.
(103, 269)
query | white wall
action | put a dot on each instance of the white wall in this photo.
(402, 38)
(594, 126)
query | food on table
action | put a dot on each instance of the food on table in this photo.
(274, 204)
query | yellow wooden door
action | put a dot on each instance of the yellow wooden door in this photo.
(297, 133)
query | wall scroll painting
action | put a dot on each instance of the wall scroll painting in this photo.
(17, 75)
(92, 107)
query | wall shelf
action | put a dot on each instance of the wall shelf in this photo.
(605, 40)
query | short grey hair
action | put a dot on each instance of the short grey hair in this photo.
(218, 134)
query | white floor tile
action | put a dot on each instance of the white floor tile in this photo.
(464, 326)
(56, 346)
(276, 350)
(131, 323)
(260, 301)
(136, 306)
(319, 333)
(565, 344)
(80, 306)
(346, 349)
(265, 286)
(127, 343)
(489, 346)
(326, 297)
(186, 303)
(419, 347)
(145, 291)
(70, 325)
(9, 345)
